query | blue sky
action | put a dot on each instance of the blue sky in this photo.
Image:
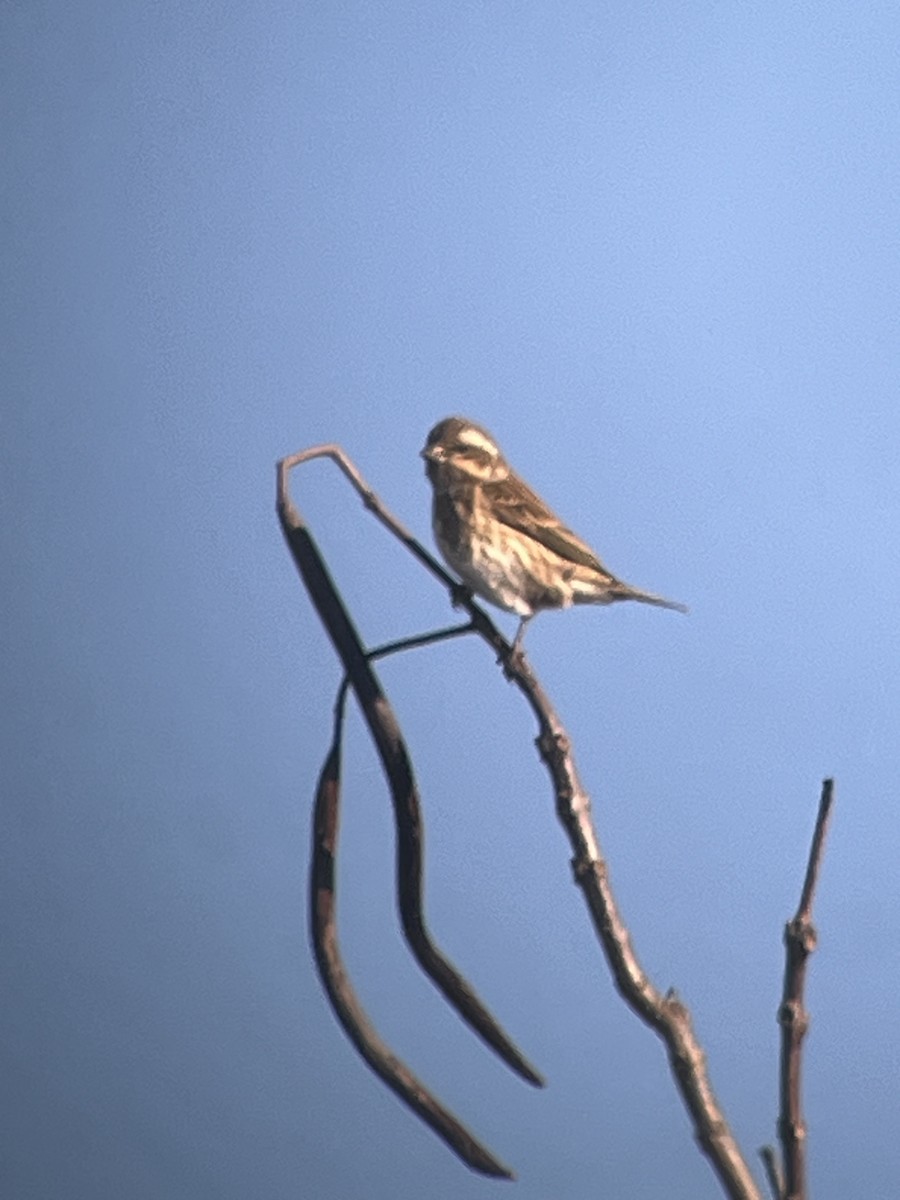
(655, 249)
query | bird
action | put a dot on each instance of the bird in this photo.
(505, 542)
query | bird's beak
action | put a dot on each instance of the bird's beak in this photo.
(433, 454)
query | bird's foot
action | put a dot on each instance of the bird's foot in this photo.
(514, 659)
(461, 596)
(513, 662)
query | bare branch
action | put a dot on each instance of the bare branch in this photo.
(347, 1008)
(665, 1014)
(816, 852)
(799, 943)
(417, 641)
(369, 499)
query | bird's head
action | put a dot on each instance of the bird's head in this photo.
(460, 449)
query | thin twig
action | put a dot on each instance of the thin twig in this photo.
(799, 943)
(395, 760)
(408, 643)
(323, 932)
(417, 641)
(370, 500)
(774, 1175)
(816, 851)
(665, 1014)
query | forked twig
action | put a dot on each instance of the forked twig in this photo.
(799, 943)
(664, 1013)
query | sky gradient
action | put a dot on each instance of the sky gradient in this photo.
(655, 249)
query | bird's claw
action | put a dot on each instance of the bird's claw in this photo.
(513, 659)
(460, 595)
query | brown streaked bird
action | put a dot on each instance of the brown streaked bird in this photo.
(501, 538)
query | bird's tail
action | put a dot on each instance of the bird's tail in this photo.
(624, 591)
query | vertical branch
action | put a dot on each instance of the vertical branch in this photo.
(799, 942)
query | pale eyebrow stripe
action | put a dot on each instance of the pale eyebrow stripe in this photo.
(475, 440)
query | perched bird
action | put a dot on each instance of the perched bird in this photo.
(504, 542)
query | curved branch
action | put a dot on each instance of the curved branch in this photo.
(385, 732)
(323, 931)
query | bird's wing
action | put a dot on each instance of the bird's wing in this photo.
(516, 505)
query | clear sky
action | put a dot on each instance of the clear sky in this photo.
(655, 248)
